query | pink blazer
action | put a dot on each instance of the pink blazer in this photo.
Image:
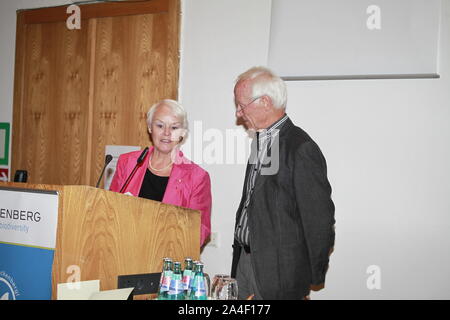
(189, 185)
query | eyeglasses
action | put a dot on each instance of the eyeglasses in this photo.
(243, 106)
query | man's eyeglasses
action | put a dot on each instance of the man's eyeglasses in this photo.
(241, 106)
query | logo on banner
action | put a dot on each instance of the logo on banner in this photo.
(8, 289)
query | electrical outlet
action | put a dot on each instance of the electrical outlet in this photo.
(214, 240)
(143, 283)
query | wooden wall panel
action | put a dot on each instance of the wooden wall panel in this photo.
(173, 53)
(131, 74)
(53, 121)
(73, 63)
(98, 10)
(77, 91)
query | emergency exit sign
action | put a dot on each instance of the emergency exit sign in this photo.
(4, 143)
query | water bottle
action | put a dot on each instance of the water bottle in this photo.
(198, 287)
(176, 289)
(166, 276)
(188, 274)
(191, 282)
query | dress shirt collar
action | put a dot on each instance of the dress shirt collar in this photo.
(264, 133)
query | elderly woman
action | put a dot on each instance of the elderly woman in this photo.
(165, 174)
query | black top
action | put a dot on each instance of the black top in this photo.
(153, 186)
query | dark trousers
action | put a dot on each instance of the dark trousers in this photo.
(246, 278)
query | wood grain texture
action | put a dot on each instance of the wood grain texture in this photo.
(77, 91)
(88, 156)
(97, 10)
(53, 114)
(173, 52)
(19, 75)
(131, 74)
(107, 234)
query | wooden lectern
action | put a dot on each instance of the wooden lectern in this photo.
(107, 234)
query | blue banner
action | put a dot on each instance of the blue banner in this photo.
(25, 272)
(28, 222)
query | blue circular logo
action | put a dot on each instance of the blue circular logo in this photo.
(7, 287)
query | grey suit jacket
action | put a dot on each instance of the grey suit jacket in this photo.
(291, 220)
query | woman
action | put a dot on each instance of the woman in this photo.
(165, 174)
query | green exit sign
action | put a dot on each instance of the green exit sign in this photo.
(4, 143)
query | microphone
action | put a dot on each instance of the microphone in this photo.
(138, 163)
(21, 176)
(142, 156)
(108, 159)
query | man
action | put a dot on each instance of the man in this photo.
(284, 229)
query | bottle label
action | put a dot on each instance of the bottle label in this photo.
(192, 284)
(176, 287)
(166, 281)
(200, 289)
(186, 279)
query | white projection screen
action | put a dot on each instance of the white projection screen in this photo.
(351, 39)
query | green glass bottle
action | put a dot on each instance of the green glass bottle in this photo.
(188, 275)
(166, 276)
(198, 287)
(176, 291)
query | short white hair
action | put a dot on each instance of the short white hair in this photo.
(177, 109)
(266, 83)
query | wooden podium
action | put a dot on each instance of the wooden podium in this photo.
(107, 234)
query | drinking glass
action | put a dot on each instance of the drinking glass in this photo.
(216, 284)
(228, 290)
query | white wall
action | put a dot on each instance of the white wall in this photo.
(220, 39)
(385, 141)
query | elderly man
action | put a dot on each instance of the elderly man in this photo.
(284, 229)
